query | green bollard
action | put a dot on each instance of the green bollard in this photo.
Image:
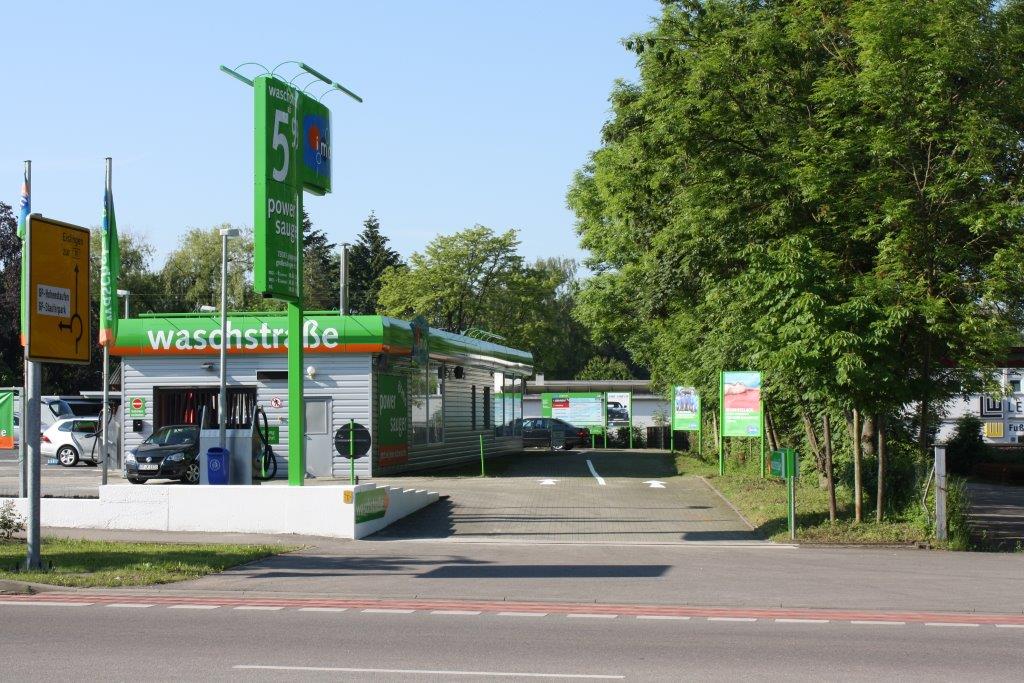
(352, 452)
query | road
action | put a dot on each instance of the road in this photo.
(197, 642)
(588, 496)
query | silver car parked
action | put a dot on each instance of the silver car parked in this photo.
(72, 439)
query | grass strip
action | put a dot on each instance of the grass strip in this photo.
(113, 564)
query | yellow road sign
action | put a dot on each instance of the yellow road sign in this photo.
(59, 328)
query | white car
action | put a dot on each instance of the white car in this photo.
(72, 439)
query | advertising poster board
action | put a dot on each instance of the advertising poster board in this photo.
(582, 409)
(392, 420)
(619, 409)
(6, 419)
(685, 409)
(741, 404)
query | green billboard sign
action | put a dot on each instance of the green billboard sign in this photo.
(580, 409)
(315, 134)
(392, 420)
(6, 419)
(278, 197)
(741, 403)
(685, 409)
(371, 504)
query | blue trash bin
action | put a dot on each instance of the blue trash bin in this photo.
(217, 461)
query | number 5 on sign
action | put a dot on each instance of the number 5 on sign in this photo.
(279, 140)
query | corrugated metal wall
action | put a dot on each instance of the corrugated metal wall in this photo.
(461, 440)
(345, 379)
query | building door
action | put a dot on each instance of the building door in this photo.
(319, 447)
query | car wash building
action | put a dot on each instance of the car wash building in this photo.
(425, 396)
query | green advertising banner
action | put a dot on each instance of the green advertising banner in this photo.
(392, 420)
(685, 409)
(371, 504)
(583, 409)
(741, 403)
(278, 195)
(6, 419)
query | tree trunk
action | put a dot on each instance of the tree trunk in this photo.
(858, 487)
(812, 440)
(826, 426)
(773, 436)
(880, 495)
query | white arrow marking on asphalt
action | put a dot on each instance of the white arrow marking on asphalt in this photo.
(655, 484)
(547, 482)
(600, 479)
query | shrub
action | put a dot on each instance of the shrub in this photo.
(10, 521)
(966, 448)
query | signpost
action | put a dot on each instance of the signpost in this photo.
(784, 465)
(739, 410)
(619, 409)
(292, 155)
(686, 415)
(392, 420)
(57, 330)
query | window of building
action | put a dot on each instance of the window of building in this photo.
(435, 402)
(1015, 386)
(426, 392)
(508, 407)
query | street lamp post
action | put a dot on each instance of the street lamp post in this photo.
(222, 401)
(127, 295)
(343, 278)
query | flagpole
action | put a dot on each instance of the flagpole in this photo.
(22, 442)
(105, 291)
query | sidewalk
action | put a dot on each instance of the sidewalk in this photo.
(753, 576)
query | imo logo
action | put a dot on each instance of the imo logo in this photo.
(316, 144)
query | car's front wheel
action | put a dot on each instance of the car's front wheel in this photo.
(191, 475)
(67, 456)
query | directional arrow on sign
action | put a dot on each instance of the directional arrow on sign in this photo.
(655, 484)
(547, 482)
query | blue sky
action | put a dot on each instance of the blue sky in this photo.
(475, 111)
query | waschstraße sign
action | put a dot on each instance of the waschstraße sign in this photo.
(258, 333)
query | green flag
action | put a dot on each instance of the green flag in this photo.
(110, 272)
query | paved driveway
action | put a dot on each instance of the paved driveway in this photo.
(577, 497)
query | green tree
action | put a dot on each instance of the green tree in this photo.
(11, 354)
(369, 258)
(191, 274)
(319, 268)
(828, 192)
(599, 367)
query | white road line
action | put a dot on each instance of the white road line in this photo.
(879, 623)
(522, 614)
(947, 623)
(662, 616)
(591, 616)
(731, 619)
(323, 609)
(49, 603)
(428, 672)
(600, 479)
(1009, 625)
(466, 612)
(140, 605)
(801, 621)
(193, 606)
(261, 608)
(387, 611)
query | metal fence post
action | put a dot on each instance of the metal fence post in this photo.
(941, 532)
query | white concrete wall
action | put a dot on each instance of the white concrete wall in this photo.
(306, 511)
